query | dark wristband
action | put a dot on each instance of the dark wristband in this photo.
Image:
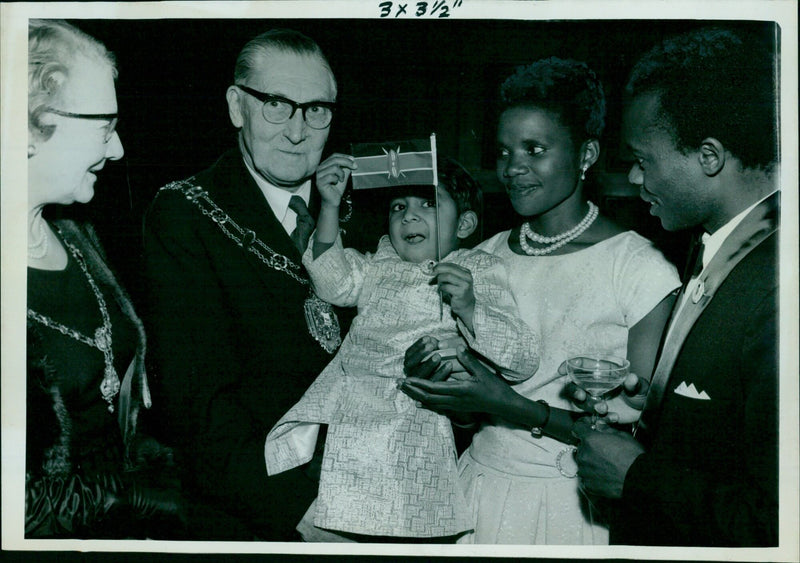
(537, 431)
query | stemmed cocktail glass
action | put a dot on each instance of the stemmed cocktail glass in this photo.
(597, 374)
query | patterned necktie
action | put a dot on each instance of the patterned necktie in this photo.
(305, 223)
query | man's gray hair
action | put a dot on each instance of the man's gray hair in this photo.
(282, 40)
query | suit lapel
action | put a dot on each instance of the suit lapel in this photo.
(237, 193)
(760, 223)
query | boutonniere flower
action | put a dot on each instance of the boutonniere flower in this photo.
(698, 292)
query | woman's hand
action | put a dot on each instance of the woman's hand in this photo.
(476, 390)
(332, 177)
(455, 285)
(416, 365)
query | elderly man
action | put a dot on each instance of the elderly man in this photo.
(237, 335)
(703, 468)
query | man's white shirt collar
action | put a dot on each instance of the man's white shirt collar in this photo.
(713, 242)
(278, 198)
(711, 245)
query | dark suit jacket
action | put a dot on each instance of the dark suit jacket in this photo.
(230, 347)
(709, 476)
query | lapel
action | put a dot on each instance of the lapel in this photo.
(236, 192)
(760, 223)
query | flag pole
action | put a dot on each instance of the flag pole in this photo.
(436, 203)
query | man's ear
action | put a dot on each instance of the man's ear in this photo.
(467, 223)
(712, 156)
(234, 97)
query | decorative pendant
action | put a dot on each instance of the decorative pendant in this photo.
(109, 387)
(102, 338)
(322, 323)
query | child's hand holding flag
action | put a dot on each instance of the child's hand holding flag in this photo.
(332, 176)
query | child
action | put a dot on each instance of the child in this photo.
(389, 467)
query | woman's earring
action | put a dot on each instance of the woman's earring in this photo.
(31, 150)
(583, 172)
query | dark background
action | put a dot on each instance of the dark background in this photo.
(397, 79)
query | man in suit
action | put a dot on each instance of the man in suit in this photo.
(236, 333)
(700, 120)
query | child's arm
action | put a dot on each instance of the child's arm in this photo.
(498, 332)
(455, 284)
(332, 178)
(337, 273)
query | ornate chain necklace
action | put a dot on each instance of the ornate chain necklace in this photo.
(321, 320)
(109, 387)
(556, 241)
(246, 238)
(43, 244)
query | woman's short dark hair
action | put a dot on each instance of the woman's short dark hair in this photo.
(567, 88)
(714, 82)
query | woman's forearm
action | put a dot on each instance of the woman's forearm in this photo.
(556, 423)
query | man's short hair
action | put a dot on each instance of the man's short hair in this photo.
(53, 48)
(569, 89)
(282, 40)
(714, 82)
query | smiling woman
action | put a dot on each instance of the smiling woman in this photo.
(86, 374)
(586, 283)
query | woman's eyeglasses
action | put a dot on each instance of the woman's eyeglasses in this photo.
(112, 119)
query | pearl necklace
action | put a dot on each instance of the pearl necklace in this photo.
(556, 241)
(43, 243)
(110, 385)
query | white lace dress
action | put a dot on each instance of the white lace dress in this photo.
(582, 301)
(389, 467)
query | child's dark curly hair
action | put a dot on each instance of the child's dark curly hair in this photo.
(462, 187)
(456, 181)
(567, 88)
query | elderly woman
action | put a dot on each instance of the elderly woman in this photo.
(587, 283)
(85, 356)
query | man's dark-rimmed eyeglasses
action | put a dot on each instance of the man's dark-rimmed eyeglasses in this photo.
(277, 109)
(112, 119)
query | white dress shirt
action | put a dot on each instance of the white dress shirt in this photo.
(711, 245)
(278, 199)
